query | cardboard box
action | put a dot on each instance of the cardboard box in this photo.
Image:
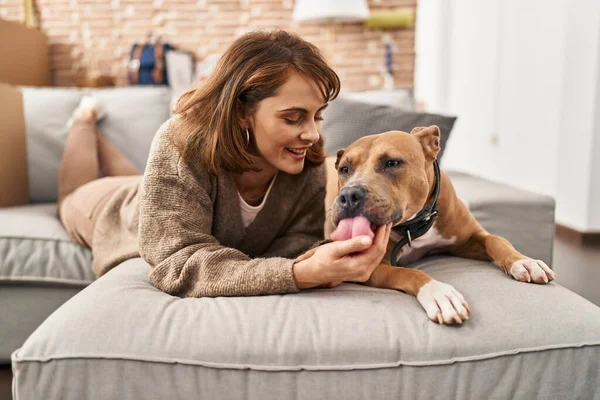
(25, 59)
(14, 181)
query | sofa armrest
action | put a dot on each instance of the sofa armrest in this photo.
(524, 218)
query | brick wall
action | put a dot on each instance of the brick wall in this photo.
(105, 29)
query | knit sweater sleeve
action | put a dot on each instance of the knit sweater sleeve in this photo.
(176, 216)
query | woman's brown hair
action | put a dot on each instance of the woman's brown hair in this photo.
(251, 69)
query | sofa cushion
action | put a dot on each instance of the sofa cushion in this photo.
(36, 249)
(121, 338)
(346, 120)
(134, 114)
(526, 219)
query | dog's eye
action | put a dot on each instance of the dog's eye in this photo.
(344, 169)
(392, 163)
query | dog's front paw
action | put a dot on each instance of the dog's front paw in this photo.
(442, 303)
(529, 270)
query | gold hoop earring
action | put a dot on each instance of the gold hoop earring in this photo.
(247, 138)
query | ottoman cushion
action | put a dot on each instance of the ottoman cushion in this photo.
(121, 338)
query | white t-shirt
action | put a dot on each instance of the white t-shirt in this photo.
(250, 212)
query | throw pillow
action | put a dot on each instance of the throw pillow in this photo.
(347, 120)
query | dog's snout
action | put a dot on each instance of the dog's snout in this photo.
(351, 200)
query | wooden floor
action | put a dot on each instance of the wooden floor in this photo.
(578, 269)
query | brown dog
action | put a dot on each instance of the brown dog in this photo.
(391, 177)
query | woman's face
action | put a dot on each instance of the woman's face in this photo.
(286, 125)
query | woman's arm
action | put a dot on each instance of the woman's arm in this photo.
(174, 237)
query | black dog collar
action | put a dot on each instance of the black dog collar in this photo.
(421, 223)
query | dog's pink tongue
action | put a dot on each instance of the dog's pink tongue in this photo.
(352, 227)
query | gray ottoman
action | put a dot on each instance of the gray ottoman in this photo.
(120, 338)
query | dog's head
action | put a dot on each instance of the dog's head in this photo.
(384, 178)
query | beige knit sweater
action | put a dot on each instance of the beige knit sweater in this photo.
(189, 227)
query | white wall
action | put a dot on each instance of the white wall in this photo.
(522, 77)
(472, 63)
(580, 95)
(594, 204)
(531, 48)
(430, 65)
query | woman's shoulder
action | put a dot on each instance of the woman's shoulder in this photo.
(165, 135)
(165, 155)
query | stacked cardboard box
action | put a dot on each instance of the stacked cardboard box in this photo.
(24, 52)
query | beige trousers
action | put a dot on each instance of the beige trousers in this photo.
(79, 211)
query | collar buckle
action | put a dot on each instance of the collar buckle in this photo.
(432, 214)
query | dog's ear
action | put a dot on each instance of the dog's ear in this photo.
(430, 140)
(340, 153)
(417, 129)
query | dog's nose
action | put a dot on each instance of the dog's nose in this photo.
(351, 200)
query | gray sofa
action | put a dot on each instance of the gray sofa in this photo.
(120, 338)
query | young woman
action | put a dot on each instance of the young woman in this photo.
(234, 187)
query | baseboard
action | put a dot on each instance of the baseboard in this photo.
(580, 238)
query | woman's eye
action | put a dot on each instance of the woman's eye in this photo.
(344, 170)
(392, 163)
(299, 121)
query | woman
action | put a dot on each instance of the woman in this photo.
(234, 187)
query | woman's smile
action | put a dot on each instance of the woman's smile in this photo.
(297, 153)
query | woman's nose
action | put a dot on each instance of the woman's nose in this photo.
(311, 134)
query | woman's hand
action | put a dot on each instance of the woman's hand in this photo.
(349, 260)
